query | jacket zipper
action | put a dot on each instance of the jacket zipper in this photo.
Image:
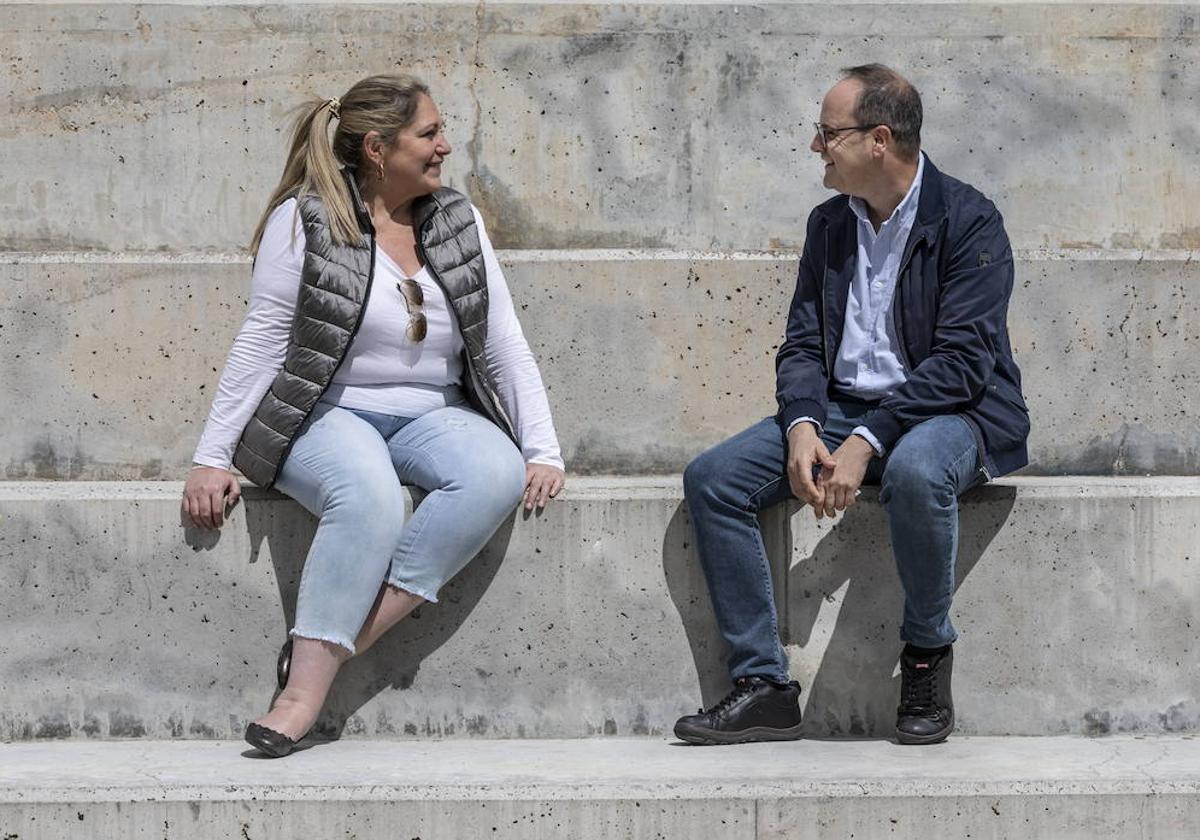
(824, 319)
(981, 466)
(902, 348)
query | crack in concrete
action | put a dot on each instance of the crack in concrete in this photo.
(477, 128)
(1125, 321)
(1119, 461)
(1122, 328)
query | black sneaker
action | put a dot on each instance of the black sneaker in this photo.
(756, 710)
(926, 712)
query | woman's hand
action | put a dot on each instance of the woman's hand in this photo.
(542, 483)
(206, 493)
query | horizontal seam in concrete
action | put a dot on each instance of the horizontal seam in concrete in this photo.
(631, 488)
(536, 792)
(535, 255)
(650, 3)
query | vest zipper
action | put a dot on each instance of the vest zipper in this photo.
(362, 310)
(480, 383)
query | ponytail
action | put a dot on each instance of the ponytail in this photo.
(311, 167)
(384, 104)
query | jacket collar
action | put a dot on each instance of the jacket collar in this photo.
(931, 207)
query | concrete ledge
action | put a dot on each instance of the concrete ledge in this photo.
(1076, 606)
(636, 789)
(599, 124)
(649, 357)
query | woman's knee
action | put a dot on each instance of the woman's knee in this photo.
(497, 475)
(373, 511)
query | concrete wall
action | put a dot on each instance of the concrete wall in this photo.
(141, 140)
(583, 125)
(1075, 608)
(649, 358)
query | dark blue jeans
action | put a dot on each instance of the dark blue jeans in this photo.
(920, 479)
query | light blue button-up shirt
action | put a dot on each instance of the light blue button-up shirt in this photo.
(867, 365)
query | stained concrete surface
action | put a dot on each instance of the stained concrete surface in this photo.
(580, 125)
(1075, 605)
(649, 358)
(607, 788)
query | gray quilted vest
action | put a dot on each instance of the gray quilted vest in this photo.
(335, 282)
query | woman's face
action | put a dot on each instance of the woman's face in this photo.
(412, 164)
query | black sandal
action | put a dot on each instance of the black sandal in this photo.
(284, 665)
(268, 741)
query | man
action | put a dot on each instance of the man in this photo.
(895, 369)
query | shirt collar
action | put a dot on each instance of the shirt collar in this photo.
(906, 210)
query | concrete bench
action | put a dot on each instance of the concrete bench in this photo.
(1076, 609)
(606, 789)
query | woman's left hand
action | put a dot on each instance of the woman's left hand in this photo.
(542, 483)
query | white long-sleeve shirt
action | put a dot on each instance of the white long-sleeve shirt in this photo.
(383, 370)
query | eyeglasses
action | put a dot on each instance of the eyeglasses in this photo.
(414, 299)
(827, 133)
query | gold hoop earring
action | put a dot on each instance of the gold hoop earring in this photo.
(381, 175)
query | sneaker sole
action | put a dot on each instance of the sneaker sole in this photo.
(717, 738)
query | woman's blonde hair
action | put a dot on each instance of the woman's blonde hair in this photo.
(385, 104)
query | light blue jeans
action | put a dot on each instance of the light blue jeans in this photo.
(347, 467)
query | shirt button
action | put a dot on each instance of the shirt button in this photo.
(878, 285)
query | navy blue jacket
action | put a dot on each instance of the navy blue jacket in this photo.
(950, 313)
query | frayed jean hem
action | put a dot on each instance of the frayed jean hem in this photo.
(296, 632)
(431, 597)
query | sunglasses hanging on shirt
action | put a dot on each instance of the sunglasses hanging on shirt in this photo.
(414, 299)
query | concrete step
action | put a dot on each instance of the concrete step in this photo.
(110, 362)
(632, 789)
(1076, 606)
(584, 125)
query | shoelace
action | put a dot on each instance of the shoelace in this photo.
(919, 687)
(740, 689)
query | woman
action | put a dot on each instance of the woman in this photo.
(381, 348)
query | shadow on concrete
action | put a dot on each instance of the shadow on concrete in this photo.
(855, 688)
(844, 597)
(393, 661)
(689, 592)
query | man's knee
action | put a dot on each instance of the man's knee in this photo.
(914, 474)
(706, 477)
(697, 475)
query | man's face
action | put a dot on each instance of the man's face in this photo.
(847, 154)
